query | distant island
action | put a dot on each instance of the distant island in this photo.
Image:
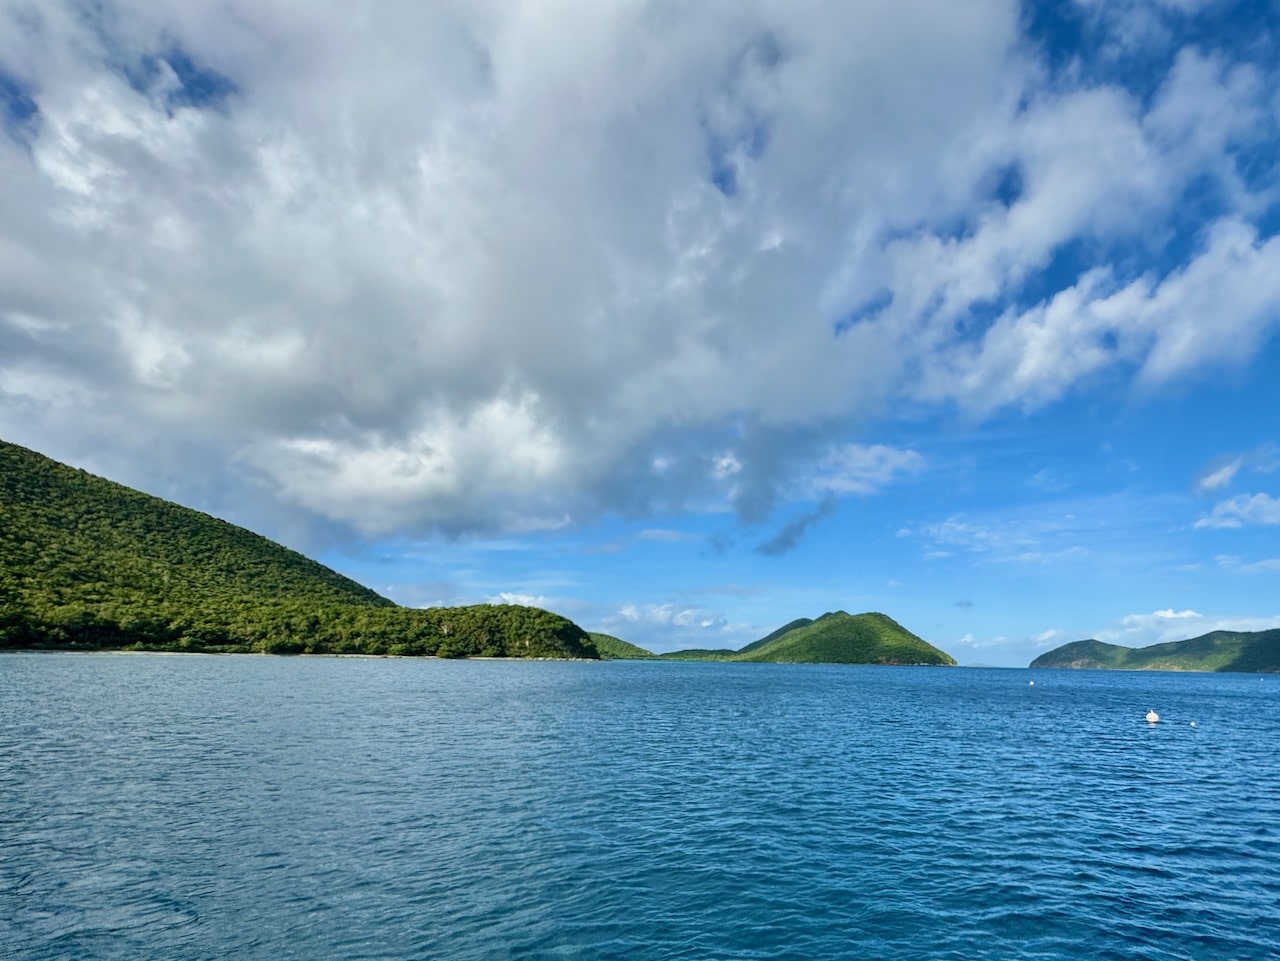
(612, 648)
(1240, 651)
(833, 638)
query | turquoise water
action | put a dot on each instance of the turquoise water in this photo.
(289, 808)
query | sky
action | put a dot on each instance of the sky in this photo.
(683, 320)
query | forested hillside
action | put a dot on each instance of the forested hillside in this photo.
(841, 638)
(90, 564)
(1239, 651)
(613, 648)
(834, 638)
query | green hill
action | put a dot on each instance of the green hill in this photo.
(1241, 651)
(86, 563)
(616, 649)
(840, 638)
(795, 625)
(834, 638)
(700, 654)
(1084, 654)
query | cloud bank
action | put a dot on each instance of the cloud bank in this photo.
(507, 266)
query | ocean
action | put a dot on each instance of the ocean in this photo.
(253, 807)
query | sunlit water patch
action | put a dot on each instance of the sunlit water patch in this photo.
(272, 808)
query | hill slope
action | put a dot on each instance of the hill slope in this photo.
(834, 638)
(88, 563)
(612, 648)
(795, 625)
(840, 638)
(1240, 651)
(700, 654)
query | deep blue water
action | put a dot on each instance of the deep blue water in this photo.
(308, 808)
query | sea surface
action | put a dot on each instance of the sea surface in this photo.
(251, 807)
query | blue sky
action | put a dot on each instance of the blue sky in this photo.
(681, 321)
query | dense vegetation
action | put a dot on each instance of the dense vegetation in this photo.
(784, 629)
(1248, 652)
(841, 638)
(834, 638)
(89, 564)
(700, 654)
(612, 648)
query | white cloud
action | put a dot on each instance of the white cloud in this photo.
(863, 469)
(1218, 477)
(1141, 630)
(501, 450)
(1050, 638)
(1221, 472)
(1015, 649)
(667, 536)
(1046, 557)
(1139, 26)
(1168, 614)
(674, 626)
(1206, 106)
(522, 600)
(1048, 481)
(457, 266)
(1218, 308)
(664, 614)
(1232, 563)
(1243, 510)
(1214, 311)
(1271, 565)
(1005, 538)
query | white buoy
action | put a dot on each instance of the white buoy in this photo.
(1032, 683)
(1152, 717)
(1193, 723)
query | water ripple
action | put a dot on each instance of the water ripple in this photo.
(270, 808)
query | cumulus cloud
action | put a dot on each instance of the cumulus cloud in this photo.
(487, 266)
(1243, 510)
(1217, 309)
(520, 600)
(672, 626)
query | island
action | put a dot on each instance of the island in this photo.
(834, 638)
(1217, 651)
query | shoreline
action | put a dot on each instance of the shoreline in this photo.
(376, 657)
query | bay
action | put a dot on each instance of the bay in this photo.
(209, 807)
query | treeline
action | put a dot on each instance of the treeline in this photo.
(298, 628)
(87, 564)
